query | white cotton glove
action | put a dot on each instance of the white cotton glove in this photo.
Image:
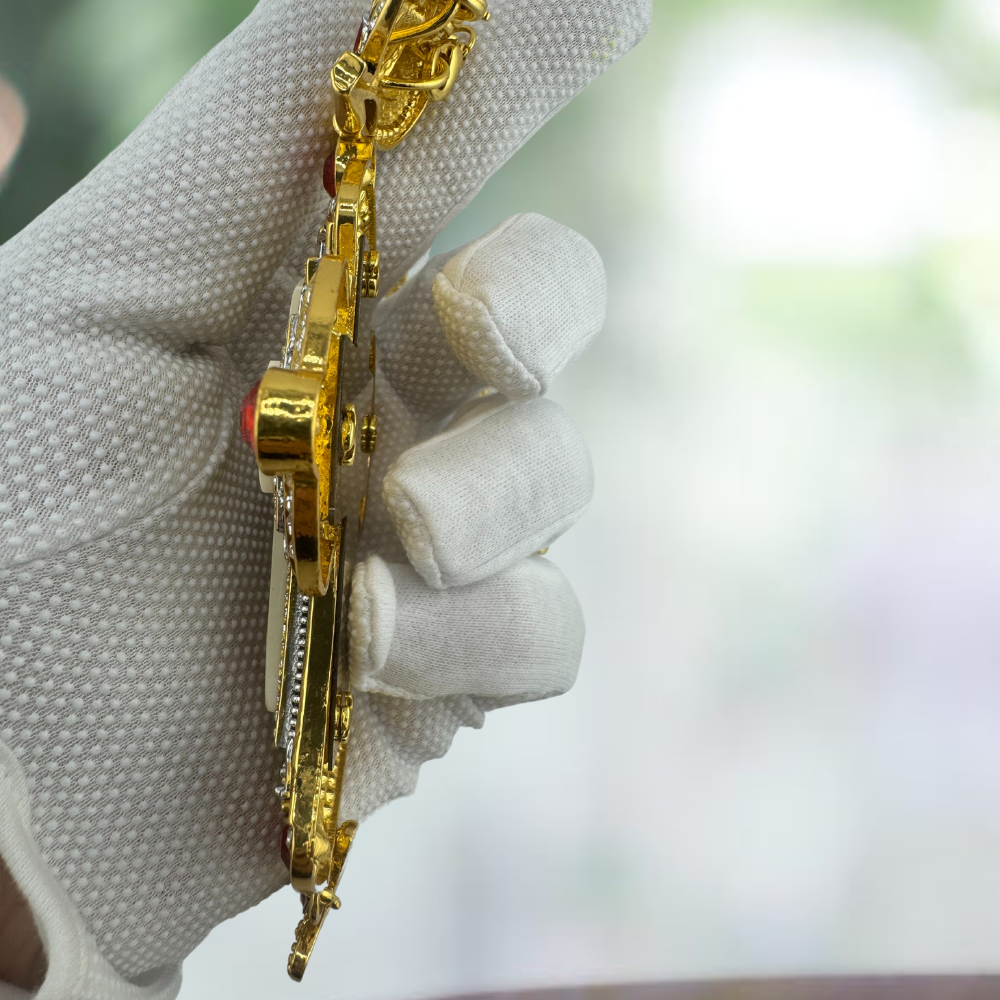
(134, 542)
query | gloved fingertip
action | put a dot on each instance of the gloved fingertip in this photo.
(478, 344)
(522, 302)
(411, 527)
(372, 620)
(514, 637)
(503, 481)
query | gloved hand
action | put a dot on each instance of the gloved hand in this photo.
(134, 541)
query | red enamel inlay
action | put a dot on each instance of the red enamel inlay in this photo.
(248, 412)
(357, 41)
(330, 174)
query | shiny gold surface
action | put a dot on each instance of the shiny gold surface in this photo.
(348, 434)
(413, 54)
(369, 275)
(309, 436)
(369, 433)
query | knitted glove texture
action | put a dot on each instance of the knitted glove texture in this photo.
(134, 541)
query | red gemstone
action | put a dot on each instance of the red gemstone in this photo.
(357, 41)
(248, 413)
(330, 174)
(286, 846)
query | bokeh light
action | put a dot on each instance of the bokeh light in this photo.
(819, 140)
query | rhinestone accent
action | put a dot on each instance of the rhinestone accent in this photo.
(296, 324)
(330, 174)
(294, 667)
(248, 412)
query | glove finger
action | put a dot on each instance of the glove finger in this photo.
(515, 637)
(509, 310)
(503, 482)
(391, 738)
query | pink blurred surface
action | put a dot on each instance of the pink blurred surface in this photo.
(887, 988)
(12, 119)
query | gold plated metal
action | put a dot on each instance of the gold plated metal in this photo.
(369, 433)
(369, 275)
(348, 434)
(409, 52)
(311, 442)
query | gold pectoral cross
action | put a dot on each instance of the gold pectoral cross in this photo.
(314, 427)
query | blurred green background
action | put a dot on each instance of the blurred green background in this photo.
(89, 72)
(783, 752)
